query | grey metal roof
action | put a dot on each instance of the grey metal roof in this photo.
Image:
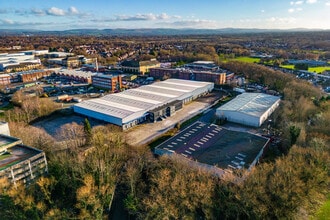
(254, 104)
(125, 104)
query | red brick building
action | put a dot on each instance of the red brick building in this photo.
(182, 73)
(109, 82)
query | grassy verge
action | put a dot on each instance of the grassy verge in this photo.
(160, 140)
(324, 212)
(190, 121)
(290, 67)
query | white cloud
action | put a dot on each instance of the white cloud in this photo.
(297, 3)
(138, 17)
(284, 20)
(38, 12)
(73, 10)
(262, 11)
(311, 1)
(292, 10)
(142, 17)
(55, 11)
(6, 21)
(327, 3)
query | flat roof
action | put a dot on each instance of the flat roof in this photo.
(78, 73)
(216, 146)
(254, 104)
(144, 98)
(16, 154)
(103, 107)
(8, 141)
(131, 101)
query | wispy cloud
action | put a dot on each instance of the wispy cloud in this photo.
(143, 17)
(138, 17)
(6, 21)
(297, 3)
(284, 20)
(197, 23)
(327, 3)
(52, 11)
(292, 10)
(311, 1)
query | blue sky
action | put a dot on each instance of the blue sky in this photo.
(210, 14)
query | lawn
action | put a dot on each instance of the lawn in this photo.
(324, 212)
(319, 69)
(223, 58)
(247, 59)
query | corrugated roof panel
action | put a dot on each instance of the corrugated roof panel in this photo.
(250, 103)
(156, 93)
(118, 105)
(128, 96)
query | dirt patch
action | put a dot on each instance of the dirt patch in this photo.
(53, 124)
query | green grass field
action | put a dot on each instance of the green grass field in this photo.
(318, 69)
(247, 59)
(324, 212)
(242, 59)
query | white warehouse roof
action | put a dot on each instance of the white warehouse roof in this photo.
(121, 108)
(249, 107)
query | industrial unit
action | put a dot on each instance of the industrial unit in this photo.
(250, 109)
(147, 103)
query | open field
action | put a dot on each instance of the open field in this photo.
(242, 59)
(247, 59)
(53, 124)
(318, 69)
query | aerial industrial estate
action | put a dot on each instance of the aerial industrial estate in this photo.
(163, 128)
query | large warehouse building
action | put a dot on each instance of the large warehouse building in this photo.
(146, 103)
(250, 109)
